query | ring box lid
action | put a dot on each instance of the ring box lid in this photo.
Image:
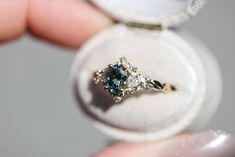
(165, 13)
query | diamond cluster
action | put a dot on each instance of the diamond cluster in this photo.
(121, 79)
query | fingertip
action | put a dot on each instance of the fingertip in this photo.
(13, 15)
(124, 150)
(207, 144)
(67, 22)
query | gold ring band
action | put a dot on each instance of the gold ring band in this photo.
(121, 79)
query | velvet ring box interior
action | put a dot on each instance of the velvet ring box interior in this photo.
(171, 55)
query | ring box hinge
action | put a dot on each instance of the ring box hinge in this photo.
(144, 26)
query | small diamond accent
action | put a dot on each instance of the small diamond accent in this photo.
(133, 81)
(121, 79)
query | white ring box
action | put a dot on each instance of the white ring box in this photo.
(167, 55)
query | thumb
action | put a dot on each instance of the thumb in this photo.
(210, 144)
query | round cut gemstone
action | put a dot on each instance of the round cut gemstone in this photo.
(134, 69)
(114, 78)
(143, 82)
(114, 86)
(119, 72)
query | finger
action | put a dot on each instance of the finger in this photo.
(68, 22)
(211, 144)
(13, 14)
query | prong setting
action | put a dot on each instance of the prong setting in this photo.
(121, 80)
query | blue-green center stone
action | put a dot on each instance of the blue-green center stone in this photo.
(115, 78)
(119, 72)
(114, 86)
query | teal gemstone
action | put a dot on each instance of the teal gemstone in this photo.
(134, 69)
(114, 79)
(119, 72)
(114, 86)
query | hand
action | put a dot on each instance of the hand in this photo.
(65, 22)
(72, 22)
(210, 144)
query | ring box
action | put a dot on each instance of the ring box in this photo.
(143, 35)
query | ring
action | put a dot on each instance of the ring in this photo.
(121, 79)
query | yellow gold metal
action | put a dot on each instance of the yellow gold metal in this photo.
(145, 26)
(121, 80)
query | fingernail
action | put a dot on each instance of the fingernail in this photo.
(98, 20)
(210, 144)
(91, 20)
